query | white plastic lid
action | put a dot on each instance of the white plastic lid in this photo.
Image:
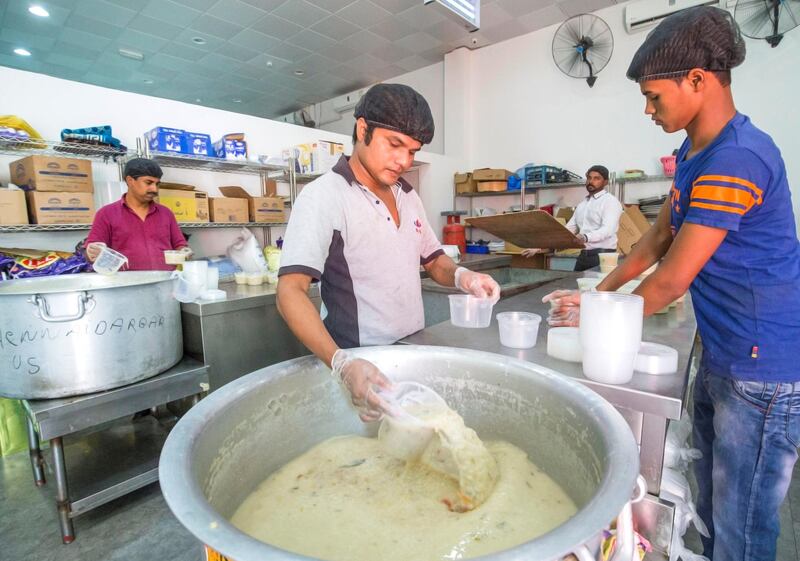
(654, 358)
(213, 295)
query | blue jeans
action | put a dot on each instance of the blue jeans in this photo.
(748, 433)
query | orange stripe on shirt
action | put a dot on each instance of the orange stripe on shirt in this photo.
(708, 206)
(729, 179)
(723, 194)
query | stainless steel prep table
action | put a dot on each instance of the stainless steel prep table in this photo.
(647, 402)
(131, 450)
(245, 332)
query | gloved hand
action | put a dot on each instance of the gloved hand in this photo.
(477, 284)
(93, 250)
(360, 377)
(530, 252)
(187, 251)
(565, 308)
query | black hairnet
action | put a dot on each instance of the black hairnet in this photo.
(701, 37)
(602, 170)
(399, 108)
(140, 167)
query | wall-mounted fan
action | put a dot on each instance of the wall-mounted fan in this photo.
(767, 19)
(582, 47)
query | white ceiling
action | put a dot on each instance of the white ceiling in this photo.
(252, 48)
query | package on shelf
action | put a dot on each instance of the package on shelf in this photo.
(165, 139)
(632, 226)
(50, 173)
(260, 209)
(53, 207)
(491, 174)
(228, 209)
(565, 213)
(13, 209)
(498, 186)
(465, 183)
(186, 205)
(231, 147)
(199, 144)
(315, 157)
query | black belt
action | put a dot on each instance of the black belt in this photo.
(597, 250)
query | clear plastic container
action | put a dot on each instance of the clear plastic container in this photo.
(588, 283)
(240, 277)
(174, 257)
(608, 261)
(469, 311)
(611, 334)
(518, 330)
(212, 278)
(255, 279)
(564, 343)
(109, 261)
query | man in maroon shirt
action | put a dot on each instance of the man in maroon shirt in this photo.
(136, 225)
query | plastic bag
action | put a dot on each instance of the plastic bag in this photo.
(247, 254)
(23, 264)
(677, 452)
(13, 432)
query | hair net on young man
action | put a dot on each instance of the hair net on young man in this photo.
(142, 167)
(702, 37)
(399, 108)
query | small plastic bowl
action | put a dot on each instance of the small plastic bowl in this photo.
(174, 257)
(240, 277)
(588, 283)
(468, 311)
(255, 279)
(109, 261)
(518, 330)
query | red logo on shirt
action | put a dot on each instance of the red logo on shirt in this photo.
(418, 225)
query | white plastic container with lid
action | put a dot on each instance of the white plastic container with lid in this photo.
(518, 330)
(611, 334)
(469, 311)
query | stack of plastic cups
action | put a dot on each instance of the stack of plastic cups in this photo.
(611, 334)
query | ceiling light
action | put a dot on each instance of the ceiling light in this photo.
(22, 52)
(269, 64)
(299, 72)
(198, 41)
(39, 11)
(130, 53)
(237, 100)
(148, 81)
(198, 100)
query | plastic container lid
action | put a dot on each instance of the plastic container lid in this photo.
(212, 295)
(654, 358)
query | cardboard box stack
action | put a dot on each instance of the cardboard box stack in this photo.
(185, 202)
(59, 190)
(12, 207)
(491, 179)
(465, 183)
(266, 210)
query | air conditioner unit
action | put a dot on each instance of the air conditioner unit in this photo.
(648, 13)
(347, 102)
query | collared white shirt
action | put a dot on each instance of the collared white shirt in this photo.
(597, 217)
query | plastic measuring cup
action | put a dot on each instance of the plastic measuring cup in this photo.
(468, 311)
(109, 261)
(404, 433)
(518, 330)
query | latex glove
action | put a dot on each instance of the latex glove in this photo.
(93, 250)
(187, 251)
(530, 252)
(477, 284)
(360, 377)
(565, 308)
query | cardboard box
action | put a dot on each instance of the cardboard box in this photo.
(565, 212)
(187, 206)
(267, 210)
(316, 157)
(227, 209)
(176, 186)
(484, 186)
(50, 207)
(164, 139)
(229, 148)
(198, 144)
(12, 207)
(491, 174)
(465, 183)
(48, 173)
(632, 226)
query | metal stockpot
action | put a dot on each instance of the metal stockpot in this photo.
(75, 334)
(232, 440)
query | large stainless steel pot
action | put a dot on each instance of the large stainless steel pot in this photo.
(75, 334)
(227, 444)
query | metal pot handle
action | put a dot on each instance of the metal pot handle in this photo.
(85, 305)
(626, 539)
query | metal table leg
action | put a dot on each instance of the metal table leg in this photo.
(37, 462)
(62, 491)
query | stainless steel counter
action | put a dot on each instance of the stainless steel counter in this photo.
(239, 297)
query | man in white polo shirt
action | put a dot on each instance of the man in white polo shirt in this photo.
(360, 230)
(595, 221)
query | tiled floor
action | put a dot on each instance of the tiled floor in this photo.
(140, 526)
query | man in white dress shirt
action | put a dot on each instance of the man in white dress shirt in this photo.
(595, 221)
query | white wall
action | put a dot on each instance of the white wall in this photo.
(524, 109)
(51, 104)
(429, 81)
